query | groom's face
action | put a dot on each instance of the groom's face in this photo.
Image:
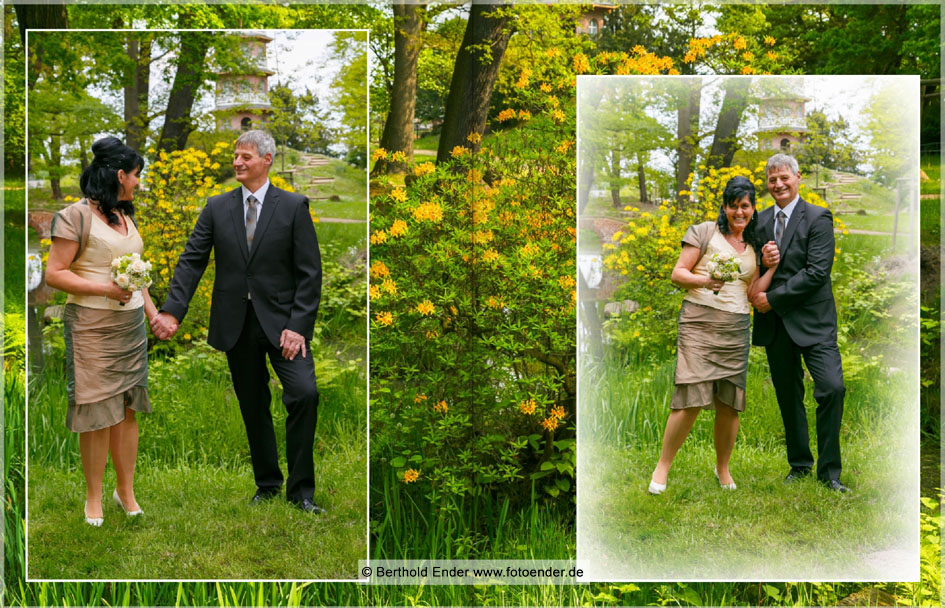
(250, 167)
(783, 184)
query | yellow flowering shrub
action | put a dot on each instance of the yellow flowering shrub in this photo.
(176, 187)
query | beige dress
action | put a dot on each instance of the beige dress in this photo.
(106, 343)
(714, 330)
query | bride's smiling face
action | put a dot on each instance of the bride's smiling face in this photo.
(739, 214)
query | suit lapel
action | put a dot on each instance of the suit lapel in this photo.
(799, 211)
(239, 223)
(268, 210)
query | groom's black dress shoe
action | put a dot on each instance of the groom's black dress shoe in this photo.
(835, 485)
(263, 496)
(796, 473)
(308, 506)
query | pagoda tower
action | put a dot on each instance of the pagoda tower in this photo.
(781, 123)
(242, 97)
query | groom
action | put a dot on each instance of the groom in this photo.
(265, 297)
(797, 319)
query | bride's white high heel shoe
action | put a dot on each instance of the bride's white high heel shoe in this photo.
(656, 488)
(95, 522)
(724, 486)
(122, 506)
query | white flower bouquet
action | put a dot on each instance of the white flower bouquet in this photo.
(724, 267)
(130, 272)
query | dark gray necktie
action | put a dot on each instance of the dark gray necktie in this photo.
(250, 220)
(779, 228)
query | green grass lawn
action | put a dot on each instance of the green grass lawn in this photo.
(765, 529)
(198, 523)
(932, 166)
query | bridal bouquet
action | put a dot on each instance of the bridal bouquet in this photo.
(131, 272)
(724, 267)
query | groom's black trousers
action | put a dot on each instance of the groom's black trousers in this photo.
(787, 374)
(247, 361)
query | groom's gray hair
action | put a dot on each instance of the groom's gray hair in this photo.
(781, 161)
(263, 141)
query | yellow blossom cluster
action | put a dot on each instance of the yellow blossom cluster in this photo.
(426, 308)
(441, 407)
(581, 64)
(523, 78)
(378, 237)
(459, 151)
(378, 154)
(564, 146)
(411, 475)
(506, 114)
(399, 194)
(474, 138)
(481, 237)
(431, 212)
(420, 398)
(389, 286)
(481, 210)
(423, 169)
(398, 228)
(490, 255)
(379, 269)
(384, 318)
(494, 302)
(528, 407)
(698, 47)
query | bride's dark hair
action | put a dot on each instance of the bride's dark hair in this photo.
(99, 181)
(735, 189)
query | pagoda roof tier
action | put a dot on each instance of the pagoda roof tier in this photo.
(256, 72)
(242, 106)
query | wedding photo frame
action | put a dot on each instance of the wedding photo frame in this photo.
(496, 341)
(180, 99)
(856, 141)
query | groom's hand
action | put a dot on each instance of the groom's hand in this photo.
(760, 301)
(164, 325)
(770, 255)
(292, 343)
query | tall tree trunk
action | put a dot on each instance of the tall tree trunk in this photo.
(48, 16)
(35, 17)
(55, 166)
(615, 174)
(467, 105)
(136, 94)
(398, 128)
(687, 127)
(641, 177)
(187, 80)
(590, 155)
(724, 143)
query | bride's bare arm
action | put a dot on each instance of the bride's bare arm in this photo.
(59, 276)
(683, 276)
(760, 282)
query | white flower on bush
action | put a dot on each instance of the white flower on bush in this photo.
(123, 281)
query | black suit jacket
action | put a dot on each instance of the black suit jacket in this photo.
(800, 291)
(283, 272)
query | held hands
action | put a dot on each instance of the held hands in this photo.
(760, 301)
(770, 256)
(164, 325)
(291, 343)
